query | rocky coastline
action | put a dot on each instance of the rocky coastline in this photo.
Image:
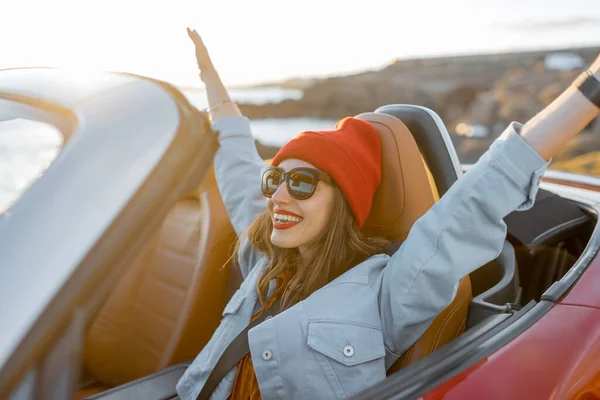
(485, 90)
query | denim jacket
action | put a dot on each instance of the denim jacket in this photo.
(344, 336)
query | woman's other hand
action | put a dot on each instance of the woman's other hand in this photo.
(219, 102)
(202, 58)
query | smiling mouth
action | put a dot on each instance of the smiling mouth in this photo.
(284, 221)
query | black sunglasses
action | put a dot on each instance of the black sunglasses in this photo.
(301, 182)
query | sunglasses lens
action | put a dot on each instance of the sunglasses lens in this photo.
(271, 180)
(301, 184)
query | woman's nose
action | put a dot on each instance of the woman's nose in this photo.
(281, 195)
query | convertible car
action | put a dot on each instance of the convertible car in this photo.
(115, 263)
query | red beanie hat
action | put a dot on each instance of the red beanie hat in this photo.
(350, 154)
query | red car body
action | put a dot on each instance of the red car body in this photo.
(557, 357)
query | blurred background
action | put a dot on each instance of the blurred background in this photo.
(294, 66)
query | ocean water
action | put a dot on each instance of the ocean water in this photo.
(271, 131)
(27, 148)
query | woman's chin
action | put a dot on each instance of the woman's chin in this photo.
(283, 240)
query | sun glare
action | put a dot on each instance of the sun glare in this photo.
(265, 40)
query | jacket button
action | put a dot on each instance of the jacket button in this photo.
(267, 354)
(348, 351)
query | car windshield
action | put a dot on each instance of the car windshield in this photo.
(27, 148)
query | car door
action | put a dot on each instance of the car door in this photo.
(131, 147)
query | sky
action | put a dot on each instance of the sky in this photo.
(253, 41)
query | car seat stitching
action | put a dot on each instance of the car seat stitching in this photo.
(461, 327)
(408, 355)
(450, 313)
(402, 167)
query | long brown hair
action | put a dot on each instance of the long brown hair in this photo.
(338, 248)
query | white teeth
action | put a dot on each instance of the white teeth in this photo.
(286, 218)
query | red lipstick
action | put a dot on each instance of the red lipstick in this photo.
(283, 219)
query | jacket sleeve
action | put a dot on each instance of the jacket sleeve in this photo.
(237, 171)
(460, 233)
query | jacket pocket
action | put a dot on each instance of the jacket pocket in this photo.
(234, 303)
(348, 344)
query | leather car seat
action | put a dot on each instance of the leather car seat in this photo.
(166, 307)
(406, 192)
(168, 304)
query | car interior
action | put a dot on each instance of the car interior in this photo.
(168, 303)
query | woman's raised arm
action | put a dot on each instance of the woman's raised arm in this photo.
(219, 103)
(237, 163)
(465, 229)
(564, 118)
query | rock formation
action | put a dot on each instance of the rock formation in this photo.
(488, 90)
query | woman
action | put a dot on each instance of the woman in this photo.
(349, 311)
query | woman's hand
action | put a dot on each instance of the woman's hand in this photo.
(202, 58)
(220, 105)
